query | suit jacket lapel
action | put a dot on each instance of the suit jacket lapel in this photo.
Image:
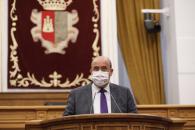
(113, 95)
(88, 96)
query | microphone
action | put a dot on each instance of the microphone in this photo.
(92, 102)
(115, 103)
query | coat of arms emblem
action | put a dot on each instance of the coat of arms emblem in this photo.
(54, 26)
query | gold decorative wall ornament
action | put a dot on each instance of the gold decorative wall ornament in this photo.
(54, 82)
(55, 4)
(19, 80)
(95, 30)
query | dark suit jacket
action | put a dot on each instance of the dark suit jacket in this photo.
(80, 100)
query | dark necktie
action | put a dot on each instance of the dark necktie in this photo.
(103, 102)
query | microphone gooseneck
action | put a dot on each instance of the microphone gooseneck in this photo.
(116, 103)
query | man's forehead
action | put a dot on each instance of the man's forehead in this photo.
(100, 62)
(100, 59)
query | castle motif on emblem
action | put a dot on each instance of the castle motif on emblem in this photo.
(54, 26)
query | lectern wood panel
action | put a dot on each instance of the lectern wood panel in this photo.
(120, 121)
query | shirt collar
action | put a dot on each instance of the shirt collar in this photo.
(96, 89)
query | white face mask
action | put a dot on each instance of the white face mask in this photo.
(100, 78)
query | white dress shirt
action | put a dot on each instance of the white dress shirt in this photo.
(96, 98)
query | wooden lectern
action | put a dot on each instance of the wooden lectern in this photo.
(120, 121)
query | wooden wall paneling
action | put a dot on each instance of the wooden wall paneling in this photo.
(32, 99)
(17, 115)
(186, 112)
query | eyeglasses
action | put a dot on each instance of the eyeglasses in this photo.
(102, 68)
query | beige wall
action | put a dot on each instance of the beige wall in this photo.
(178, 44)
(0, 39)
(3, 37)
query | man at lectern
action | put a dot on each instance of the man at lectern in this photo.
(100, 96)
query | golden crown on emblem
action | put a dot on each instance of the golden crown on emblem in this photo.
(55, 4)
